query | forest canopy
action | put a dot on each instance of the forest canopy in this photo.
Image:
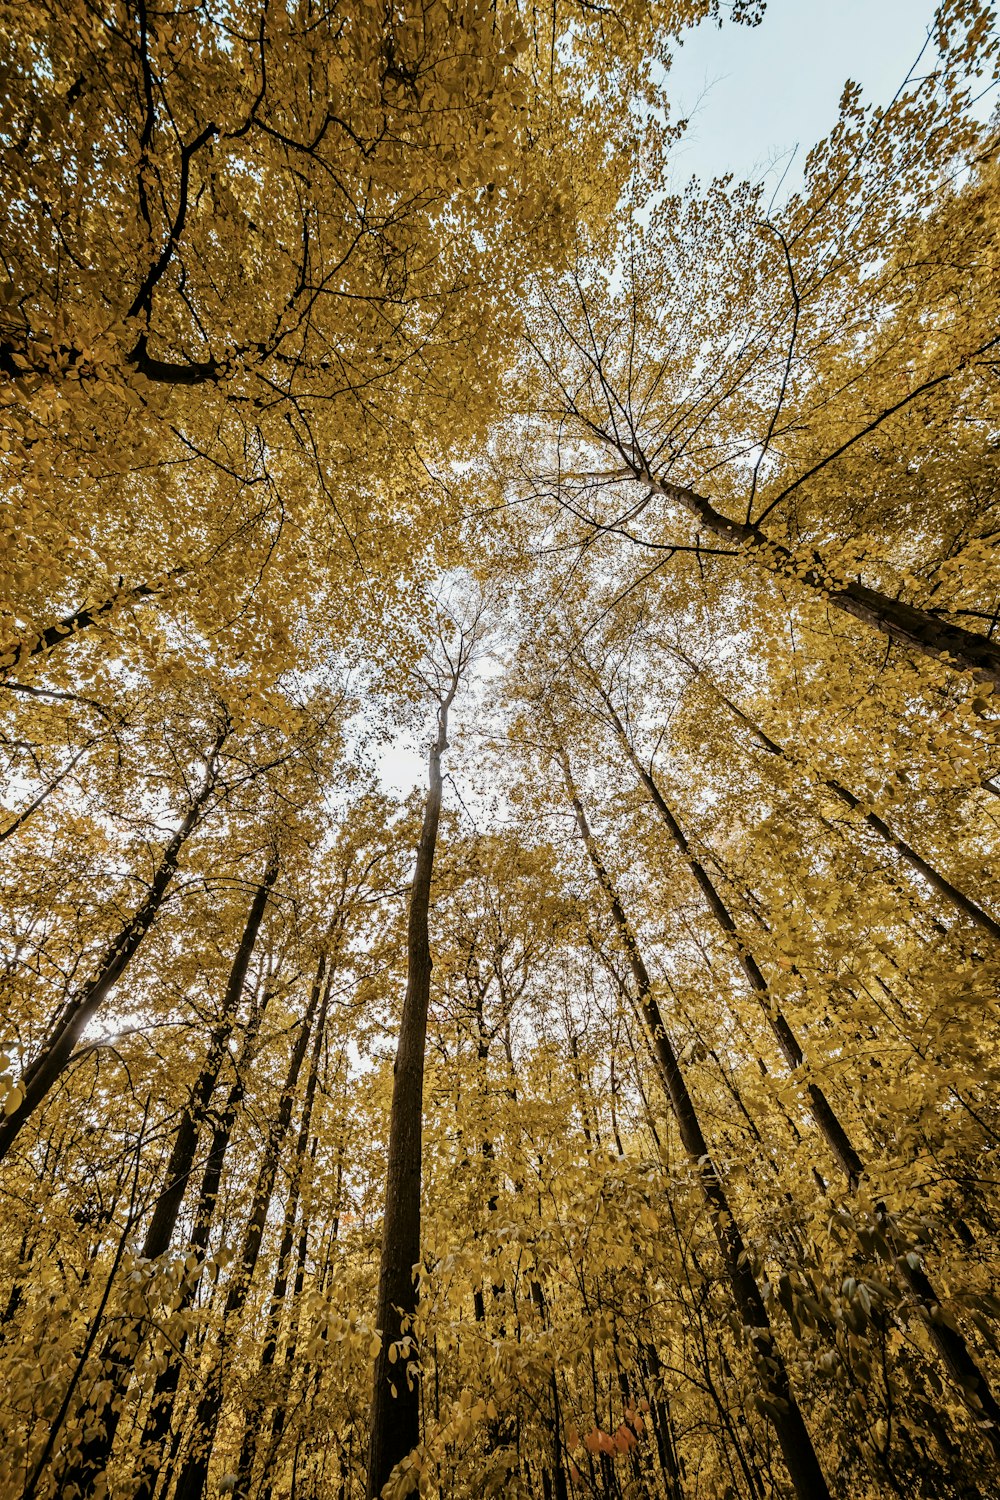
(615, 1115)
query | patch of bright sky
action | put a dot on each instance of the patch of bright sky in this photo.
(757, 99)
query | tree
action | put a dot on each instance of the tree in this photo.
(726, 394)
(395, 1420)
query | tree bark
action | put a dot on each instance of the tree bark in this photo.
(905, 624)
(46, 1069)
(779, 1401)
(120, 1349)
(395, 1417)
(191, 1482)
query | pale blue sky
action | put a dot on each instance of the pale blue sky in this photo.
(763, 90)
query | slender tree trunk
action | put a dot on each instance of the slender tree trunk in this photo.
(248, 1449)
(916, 629)
(55, 1427)
(554, 1481)
(162, 1403)
(395, 1416)
(191, 1482)
(310, 1372)
(723, 1072)
(923, 867)
(574, 1052)
(46, 1069)
(279, 1415)
(950, 1345)
(613, 1102)
(659, 1415)
(779, 1401)
(822, 1111)
(120, 1350)
(164, 1220)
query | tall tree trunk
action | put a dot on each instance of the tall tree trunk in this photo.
(659, 1416)
(46, 1069)
(395, 1416)
(554, 1480)
(779, 1401)
(164, 1220)
(191, 1483)
(251, 1431)
(162, 1403)
(923, 867)
(55, 1426)
(310, 1372)
(917, 629)
(574, 1052)
(613, 1102)
(949, 1344)
(120, 1349)
(822, 1111)
(280, 1413)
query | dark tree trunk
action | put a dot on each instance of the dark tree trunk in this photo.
(161, 1406)
(191, 1482)
(554, 1480)
(395, 1418)
(950, 1345)
(659, 1416)
(916, 629)
(55, 1425)
(120, 1350)
(279, 1415)
(46, 1069)
(780, 1403)
(822, 1111)
(164, 1220)
(251, 1431)
(309, 1372)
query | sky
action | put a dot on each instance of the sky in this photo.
(755, 94)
